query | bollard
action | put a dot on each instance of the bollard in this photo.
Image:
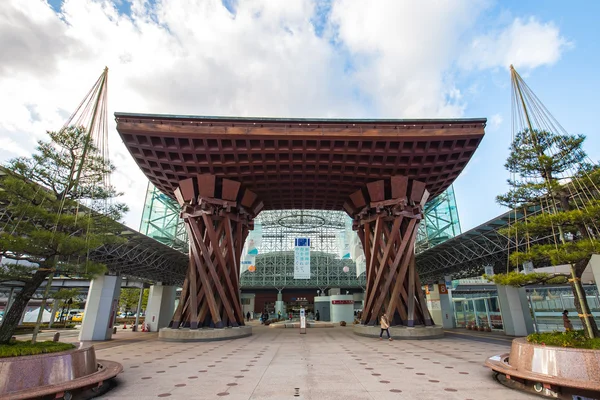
(114, 330)
(56, 337)
(134, 328)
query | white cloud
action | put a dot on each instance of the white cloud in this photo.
(376, 59)
(526, 44)
(495, 121)
(14, 148)
(403, 51)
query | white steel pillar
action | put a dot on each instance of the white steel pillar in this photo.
(101, 308)
(161, 306)
(516, 316)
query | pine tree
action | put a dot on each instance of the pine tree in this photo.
(130, 297)
(541, 162)
(54, 209)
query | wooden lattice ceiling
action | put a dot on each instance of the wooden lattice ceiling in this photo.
(299, 163)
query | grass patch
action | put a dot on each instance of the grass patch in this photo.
(573, 339)
(18, 348)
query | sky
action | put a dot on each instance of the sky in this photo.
(291, 58)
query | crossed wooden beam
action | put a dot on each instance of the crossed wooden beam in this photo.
(218, 213)
(386, 216)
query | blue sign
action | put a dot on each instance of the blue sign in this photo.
(302, 242)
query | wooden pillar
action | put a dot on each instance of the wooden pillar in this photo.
(218, 214)
(386, 215)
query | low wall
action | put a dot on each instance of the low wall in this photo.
(402, 332)
(203, 334)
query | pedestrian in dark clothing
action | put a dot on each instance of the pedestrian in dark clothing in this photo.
(248, 316)
(566, 321)
(318, 316)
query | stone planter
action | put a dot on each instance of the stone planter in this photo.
(549, 366)
(45, 374)
(204, 334)
(402, 332)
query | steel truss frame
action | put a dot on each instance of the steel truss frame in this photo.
(440, 222)
(275, 262)
(161, 220)
(276, 270)
(466, 255)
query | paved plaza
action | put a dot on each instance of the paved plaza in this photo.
(326, 363)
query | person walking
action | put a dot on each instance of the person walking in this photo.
(279, 315)
(248, 316)
(566, 321)
(385, 326)
(317, 316)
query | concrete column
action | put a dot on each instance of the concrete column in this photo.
(595, 265)
(342, 308)
(441, 307)
(9, 300)
(514, 308)
(101, 308)
(250, 297)
(161, 306)
(323, 306)
(280, 305)
(53, 312)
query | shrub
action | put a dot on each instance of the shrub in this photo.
(18, 348)
(573, 339)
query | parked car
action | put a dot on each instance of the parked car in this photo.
(77, 317)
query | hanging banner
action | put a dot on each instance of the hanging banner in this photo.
(254, 240)
(343, 245)
(302, 258)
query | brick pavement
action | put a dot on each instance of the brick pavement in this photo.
(330, 363)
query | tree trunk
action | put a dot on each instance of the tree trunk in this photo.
(13, 316)
(579, 268)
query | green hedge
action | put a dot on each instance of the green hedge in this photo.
(25, 348)
(574, 339)
(129, 320)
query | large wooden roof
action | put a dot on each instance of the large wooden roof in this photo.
(299, 163)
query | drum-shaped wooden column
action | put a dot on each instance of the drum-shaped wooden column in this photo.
(218, 214)
(386, 216)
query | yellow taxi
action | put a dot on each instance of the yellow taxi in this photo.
(77, 317)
